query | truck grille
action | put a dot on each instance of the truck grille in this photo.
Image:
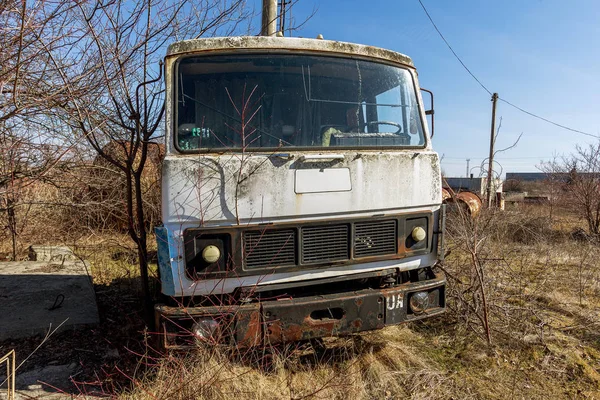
(314, 244)
(325, 243)
(270, 248)
(375, 238)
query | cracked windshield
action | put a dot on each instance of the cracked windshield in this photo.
(279, 101)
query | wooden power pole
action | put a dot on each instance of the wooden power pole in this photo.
(490, 173)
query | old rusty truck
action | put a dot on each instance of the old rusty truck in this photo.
(301, 197)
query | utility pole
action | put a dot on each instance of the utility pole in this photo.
(269, 18)
(467, 175)
(491, 158)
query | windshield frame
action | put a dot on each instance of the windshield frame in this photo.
(290, 149)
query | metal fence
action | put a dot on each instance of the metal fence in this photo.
(9, 361)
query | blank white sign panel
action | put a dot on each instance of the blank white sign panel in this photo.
(322, 180)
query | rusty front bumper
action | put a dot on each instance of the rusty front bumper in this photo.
(292, 319)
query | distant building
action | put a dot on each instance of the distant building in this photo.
(527, 176)
(545, 176)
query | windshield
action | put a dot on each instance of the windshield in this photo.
(284, 101)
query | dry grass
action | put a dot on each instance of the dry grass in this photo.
(421, 361)
(544, 297)
(376, 365)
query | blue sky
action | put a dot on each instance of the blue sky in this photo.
(542, 55)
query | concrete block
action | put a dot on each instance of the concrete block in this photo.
(35, 295)
(51, 253)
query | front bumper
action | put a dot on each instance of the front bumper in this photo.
(293, 319)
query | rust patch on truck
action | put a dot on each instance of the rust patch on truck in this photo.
(321, 316)
(277, 332)
(249, 329)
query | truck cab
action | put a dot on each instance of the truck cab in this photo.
(301, 197)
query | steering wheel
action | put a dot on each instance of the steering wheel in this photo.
(362, 126)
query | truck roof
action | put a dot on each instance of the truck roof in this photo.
(286, 43)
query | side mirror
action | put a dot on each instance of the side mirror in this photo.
(430, 111)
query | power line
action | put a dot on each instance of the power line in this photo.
(547, 120)
(452, 50)
(490, 93)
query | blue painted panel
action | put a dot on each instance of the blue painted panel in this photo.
(164, 261)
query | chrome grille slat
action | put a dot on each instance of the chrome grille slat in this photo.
(375, 238)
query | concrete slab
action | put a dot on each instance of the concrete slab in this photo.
(41, 395)
(51, 253)
(35, 295)
(35, 384)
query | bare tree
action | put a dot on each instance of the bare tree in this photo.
(25, 160)
(579, 174)
(470, 290)
(30, 86)
(116, 61)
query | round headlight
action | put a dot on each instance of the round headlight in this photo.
(418, 234)
(419, 302)
(205, 329)
(211, 254)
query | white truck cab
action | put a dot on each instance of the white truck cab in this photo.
(301, 197)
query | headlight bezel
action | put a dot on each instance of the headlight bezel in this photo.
(419, 302)
(195, 243)
(411, 224)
